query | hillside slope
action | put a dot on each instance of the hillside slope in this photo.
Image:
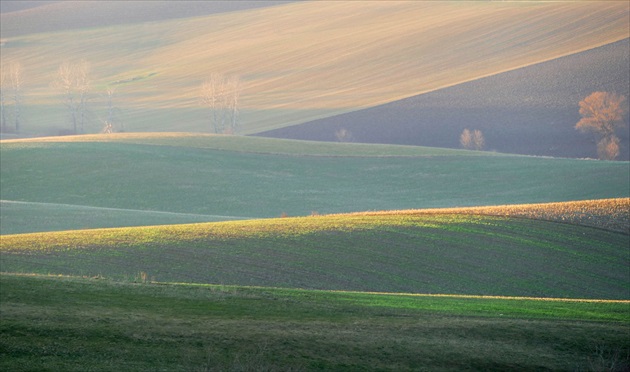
(259, 178)
(299, 61)
(36, 17)
(74, 322)
(532, 110)
(406, 252)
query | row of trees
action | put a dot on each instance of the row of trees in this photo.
(72, 79)
(219, 93)
(602, 112)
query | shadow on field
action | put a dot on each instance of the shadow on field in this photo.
(532, 110)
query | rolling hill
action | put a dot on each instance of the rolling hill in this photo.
(163, 248)
(36, 17)
(73, 323)
(409, 252)
(133, 178)
(297, 61)
(532, 110)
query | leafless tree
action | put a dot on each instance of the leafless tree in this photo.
(4, 83)
(465, 139)
(221, 95)
(603, 113)
(73, 80)
(110, 121)
(211, 95)
(10, 88)
(479, 142)
(15, 75)
(233, 96)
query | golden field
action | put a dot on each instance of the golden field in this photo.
(299, 61)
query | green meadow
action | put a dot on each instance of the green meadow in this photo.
(74, 324)
(206, 177)
(444, 253)
(191, 287)
(164, 248)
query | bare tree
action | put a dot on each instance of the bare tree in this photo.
(232, 100)
(4, 83)
(73, 80)
(15, 75)
(603, 113)
(478, 141)
(221, 95)
(110, 121)
(83, 88)
(11, 86)
(465, 139)
(211, 95)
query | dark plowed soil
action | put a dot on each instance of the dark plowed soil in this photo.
(531, 110)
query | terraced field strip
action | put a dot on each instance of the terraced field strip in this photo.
(72, 324)
(441, 253)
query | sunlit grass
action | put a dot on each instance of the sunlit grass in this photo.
(610, 214)
(463, 254)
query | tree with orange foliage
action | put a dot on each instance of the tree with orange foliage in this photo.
(603, 113)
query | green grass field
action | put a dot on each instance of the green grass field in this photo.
(167, 251)
(73, 324)
(245, 177)
(424, 253)
(22, 217)
(272, 293)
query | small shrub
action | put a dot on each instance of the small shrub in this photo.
(142, 277)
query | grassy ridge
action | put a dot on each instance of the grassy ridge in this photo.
(256, 178)
(608, 214)
(71, 324)
(442, 253)
(257, 145)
